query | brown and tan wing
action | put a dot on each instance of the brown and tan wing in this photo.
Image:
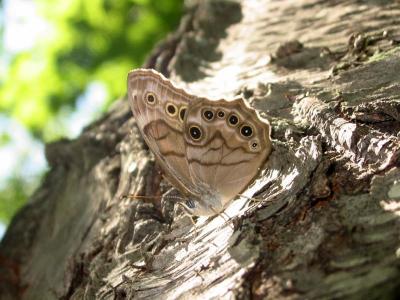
(159, 109)
(226, 144)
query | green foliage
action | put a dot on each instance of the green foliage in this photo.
(84, 41)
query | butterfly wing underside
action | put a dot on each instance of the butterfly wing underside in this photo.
(159, 109)
(209, 149)
(226, 144)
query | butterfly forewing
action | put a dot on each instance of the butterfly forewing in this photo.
(159, 110)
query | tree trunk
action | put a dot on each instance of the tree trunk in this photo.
(326, 223)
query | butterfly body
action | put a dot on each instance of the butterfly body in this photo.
(209, 149)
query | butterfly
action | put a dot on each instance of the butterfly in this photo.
(210, 150)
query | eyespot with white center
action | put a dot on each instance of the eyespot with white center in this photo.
(195, 132)
(208, 114)
(254, 145)
(233, 120)
(246, 131)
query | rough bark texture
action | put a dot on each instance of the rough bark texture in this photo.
(327, 76)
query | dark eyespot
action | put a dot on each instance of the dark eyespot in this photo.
(150, 98)
(221, 114)
(254, 145)
(195, 132)
(246, 131)
(182, 113)
(233, 120)
(171, 109)
(208, 115)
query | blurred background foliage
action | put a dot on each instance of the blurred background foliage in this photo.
(75, 64)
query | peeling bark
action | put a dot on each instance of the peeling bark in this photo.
(325, 220)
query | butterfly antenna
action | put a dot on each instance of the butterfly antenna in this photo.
(262, 201)
(174, 198)
(222, 214)
(130, 196)
(250, 198)
(227, 219)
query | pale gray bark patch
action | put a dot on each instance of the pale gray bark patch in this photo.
(370, 149)
(324, 220)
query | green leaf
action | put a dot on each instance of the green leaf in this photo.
(83, 41)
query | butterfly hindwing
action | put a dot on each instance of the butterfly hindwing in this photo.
(226, 144)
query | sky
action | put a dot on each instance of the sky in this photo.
(22, 28)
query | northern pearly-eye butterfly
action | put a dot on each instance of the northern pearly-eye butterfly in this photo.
(210, 150)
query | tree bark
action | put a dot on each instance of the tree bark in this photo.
(326, 223)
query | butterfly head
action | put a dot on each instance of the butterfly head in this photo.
(207, 205)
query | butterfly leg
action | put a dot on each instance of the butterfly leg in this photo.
(168, 201)
(187, 213)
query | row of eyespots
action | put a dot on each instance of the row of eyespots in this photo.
(170, 108)
(196, 133)
(208, 115)
(233, 120)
